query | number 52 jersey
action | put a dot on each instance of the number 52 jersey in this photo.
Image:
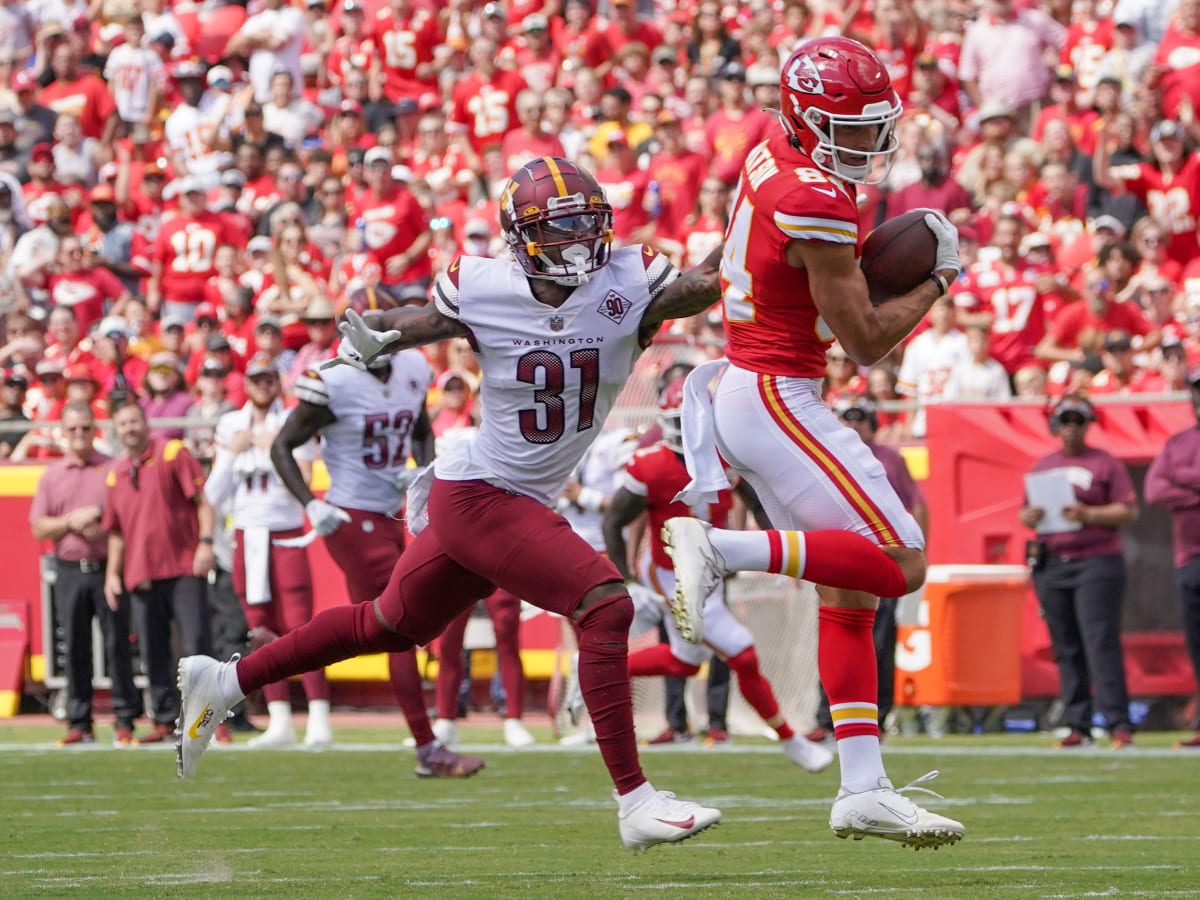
(550, 375)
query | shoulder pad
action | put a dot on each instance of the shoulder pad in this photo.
(445, 290)
(817, 210)
(659, 270)
(311, 388)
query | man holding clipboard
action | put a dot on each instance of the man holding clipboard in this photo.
(1076, 499)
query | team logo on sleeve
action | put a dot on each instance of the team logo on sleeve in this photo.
(803, 76)
(614, 307)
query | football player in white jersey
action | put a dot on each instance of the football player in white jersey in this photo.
(273, 582)
(556, 332)
(370, 422)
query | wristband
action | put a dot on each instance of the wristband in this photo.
(942, 284)
(206, 540)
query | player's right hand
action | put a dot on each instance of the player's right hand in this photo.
(325, 518)
(365, 344)
(947, 242)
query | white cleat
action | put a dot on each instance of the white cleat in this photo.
(662, 819)
(316, 738)
(446, 731)
(807, 755)
(280, 738)
(581, 738)
(517, 735)
(886, 813)
(698, 570)
(202, 708)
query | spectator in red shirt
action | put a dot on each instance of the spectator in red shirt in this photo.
(1177, 62)
(184, 253)
(935, 190)
(395, 228)
(1081, 327)
(1120, 375)
(530, 139)
(89, 292)
(81, 94)
(485, 100)
(678, 172)
(625, 186)
(1065, 108)
(607, 36)
(64, 333)
(733, 129)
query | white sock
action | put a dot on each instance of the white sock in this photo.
(743, 551)
(227, 681)
(861, 762)
(635, 798)
(279, 714)
(318, 718)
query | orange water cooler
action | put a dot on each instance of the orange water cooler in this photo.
(958, 640)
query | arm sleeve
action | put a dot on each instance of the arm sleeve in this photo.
(445, 290)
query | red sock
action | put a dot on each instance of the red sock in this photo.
(331, 636)
(842, 559)
(505, 610)
(450, 667)
(410, 693)
(316, 685)
(604, 679)
(658, 660)
(757, 690)
(846, 662)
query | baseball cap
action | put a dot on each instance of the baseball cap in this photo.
(462, 375)
(352, 6)
(43, 150)
(169, 322)
(49, 367)
(205, 311)
(78, 373)
(24, 80)
(212, 368)
(268, 321)
(164, 359)
(378, 154)
(1074, 405)
(1165, 130)
(319, 310)
(216, 343)
(7, 117)
(405, 106)
(350, 107)
(477, 228)
(187, 68)
(853, 407)
(113, 326)
(402, 173)
(260, 364)
(1064, 72)
(102, 193)
(618, 136)
(732, 71)
(218, 74)
(993, 109)
(52, 30)
(233, 178)
(165, 38)
(535, 22)
(17, 376)
(152, 170)
(666, 116)
(762, 74)
(260, 243)
(1118, 340)
(495, 11)
(1112, 223)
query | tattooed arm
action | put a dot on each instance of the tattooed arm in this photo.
(417, 325)
(690, 293)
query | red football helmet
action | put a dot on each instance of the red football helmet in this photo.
(835, 82)
(670, 414)
(556, 220)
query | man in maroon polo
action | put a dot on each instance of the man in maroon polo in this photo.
(159, 550)
(67, 509)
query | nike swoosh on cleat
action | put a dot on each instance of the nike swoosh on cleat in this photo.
(686, 823)
(910, 819)
(201, 721)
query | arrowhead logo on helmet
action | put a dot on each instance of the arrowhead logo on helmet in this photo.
(802, 75)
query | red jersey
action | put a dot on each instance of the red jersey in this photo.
(678, 177)
(728, 140)
(1179, 55)
(487, 109)
(1078, 326)
(392, 224)
(348, 54)
(87, 98)
(404, 45)
(1010, 294)
(519, 147)
(1086, 44)
(1173, 201)
(626, 193)
(658, 474)
(771, 322)
(185, 247)
(86, 292)
(700, 235)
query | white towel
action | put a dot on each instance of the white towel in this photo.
(700, 438)
(417, 498)
(256, 551)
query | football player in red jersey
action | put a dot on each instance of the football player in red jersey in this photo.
(792, 286)
(183, 256)
(557, 330)
(648, 484)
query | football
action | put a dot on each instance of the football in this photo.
(898, 255)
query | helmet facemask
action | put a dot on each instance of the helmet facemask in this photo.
(845, 162)
(571, 241)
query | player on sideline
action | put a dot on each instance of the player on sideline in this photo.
(792, 286)
(556, 331)
(649, 483)
(370, 423)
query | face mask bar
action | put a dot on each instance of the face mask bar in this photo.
(831, 157)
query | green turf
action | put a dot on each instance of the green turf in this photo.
(354, 822)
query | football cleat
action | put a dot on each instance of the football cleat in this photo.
(517, 735)
(807, 755)
(698, 571)
(886, 813)
(437, 761)
(670, 736)
(662, 819)
(202, 708)
(274, 738)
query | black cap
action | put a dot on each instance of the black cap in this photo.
(217, 342)
(1118, 340)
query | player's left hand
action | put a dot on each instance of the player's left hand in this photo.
(947, 242)
(361, 344)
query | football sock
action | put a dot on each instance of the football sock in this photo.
(506, 620)
(839, 559)
(450, 667)
(658, 660)
(636, 797)
(410, 693)
(316, 685)
(846, 662)
(604, 680)
(757, 691)
(330, 636)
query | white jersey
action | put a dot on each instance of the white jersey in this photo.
(131, 72)
(259, 497)
(367, 448)
(550, 376)
(598, 471)
(187, 130)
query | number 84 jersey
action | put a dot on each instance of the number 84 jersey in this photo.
(550, 375)
(369, 444)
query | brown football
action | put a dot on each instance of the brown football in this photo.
(898, 255)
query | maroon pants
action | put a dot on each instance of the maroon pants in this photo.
(366, 550)
(290, 606)
(505, 611)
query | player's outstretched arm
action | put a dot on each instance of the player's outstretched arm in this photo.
(692, 292)
(304, 423)
(418, 325)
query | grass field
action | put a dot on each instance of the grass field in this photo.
(354, 822)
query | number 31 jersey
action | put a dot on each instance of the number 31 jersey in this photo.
(371, 441)
(550, 376)
(771, 322)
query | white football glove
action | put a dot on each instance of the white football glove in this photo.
(947, 240)
(361, 345)
(325, 518)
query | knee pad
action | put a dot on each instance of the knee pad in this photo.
(608, 618)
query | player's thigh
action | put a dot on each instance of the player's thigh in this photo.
(366, 549)
(810, 471)
(516, 543)
(291, 585)
(428, 590)
(663, 581)
(723, 631)
(505, 612)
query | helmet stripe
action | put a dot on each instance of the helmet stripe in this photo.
(552, 165)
